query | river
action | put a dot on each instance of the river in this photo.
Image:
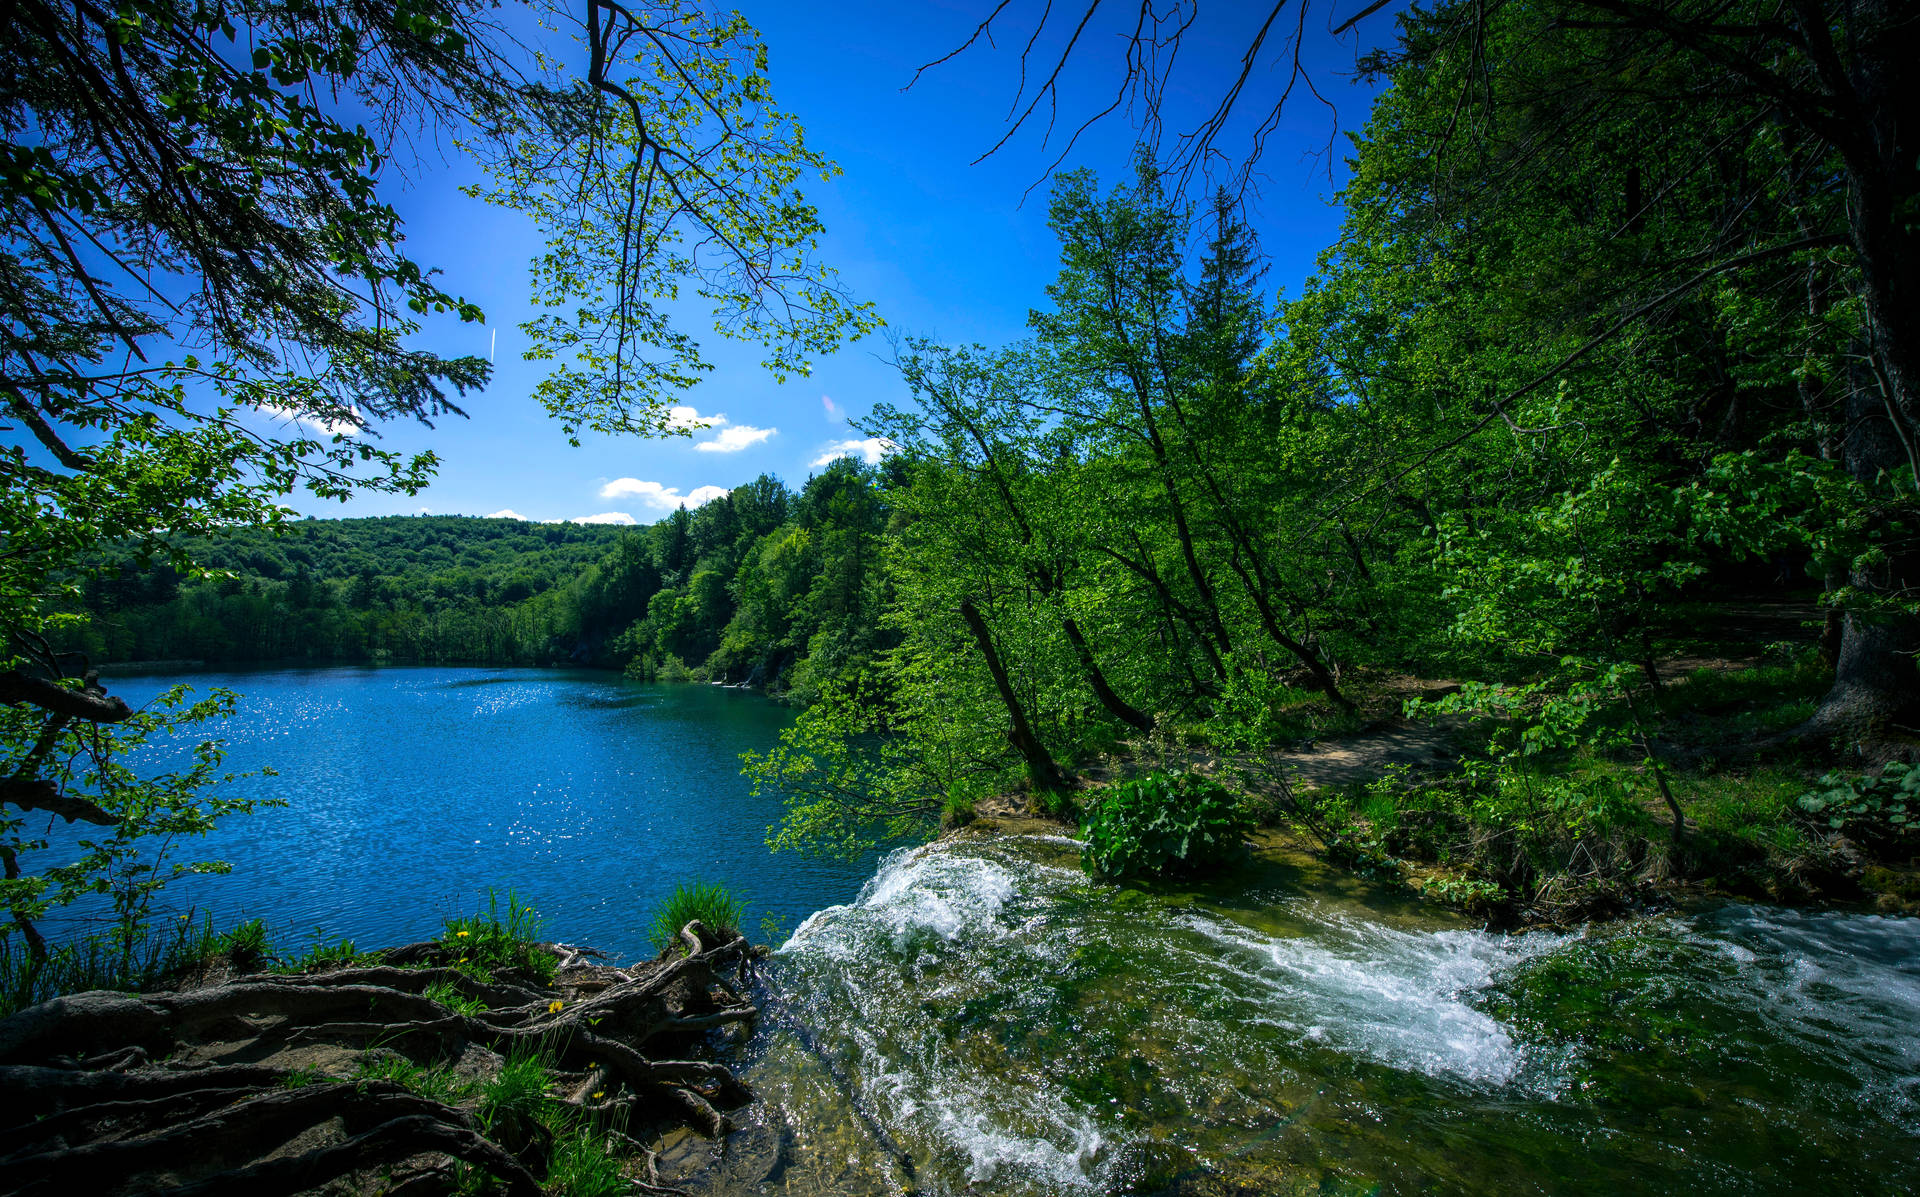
(975, 1016)
(983, 1019)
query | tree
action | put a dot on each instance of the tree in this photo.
(206, 303)
(1819, 81)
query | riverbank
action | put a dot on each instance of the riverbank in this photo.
(1414, 804)
(422, 1068)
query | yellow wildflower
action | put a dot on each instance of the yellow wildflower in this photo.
(461, 934)
(553, 1007)
(597, 1096)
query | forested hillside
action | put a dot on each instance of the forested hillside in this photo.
(762, 586)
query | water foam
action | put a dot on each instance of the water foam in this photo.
(1843, 987)
(1399, 998)
(948, 993)
(914, 889)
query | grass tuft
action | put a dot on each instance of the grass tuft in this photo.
(448, 994)
(247, 944)
(153, 959)
(491, 943)
(325, 957)
(438, 1082)
(582, 1166)
(715, 905)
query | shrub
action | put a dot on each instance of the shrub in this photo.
(1470, 894)
(957, 809)
(714, 905)
(247, 944)
(491, 943)
(1878, 811)
(1163, 824)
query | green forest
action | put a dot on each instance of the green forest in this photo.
(763, 587)
(1598, 378)
(1346, 730)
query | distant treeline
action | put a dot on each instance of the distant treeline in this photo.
(764, 586)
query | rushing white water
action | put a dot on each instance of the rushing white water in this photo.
(1002, 1025)
(1401, 998)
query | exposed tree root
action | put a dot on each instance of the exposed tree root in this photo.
(258, 1091)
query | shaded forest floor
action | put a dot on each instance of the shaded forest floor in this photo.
(1571, 834)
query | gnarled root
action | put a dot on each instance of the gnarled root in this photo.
(88, 1111)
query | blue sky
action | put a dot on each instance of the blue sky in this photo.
(941, 247)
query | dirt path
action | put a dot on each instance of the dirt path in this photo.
(1329, 764)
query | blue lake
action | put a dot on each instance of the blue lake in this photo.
(410, 791)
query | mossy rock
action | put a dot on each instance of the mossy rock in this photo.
(1894, 882)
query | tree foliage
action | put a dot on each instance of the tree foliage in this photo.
(205, 303)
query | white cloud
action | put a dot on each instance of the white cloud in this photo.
(834, 411)
(656, 496)
(605, 517)
(735, 439)
(506, 513)
(870, 450)
(666, 498)
(691, 420)
(323, 427)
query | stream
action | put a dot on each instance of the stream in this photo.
(984, 1019)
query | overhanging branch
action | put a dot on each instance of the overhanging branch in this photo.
(91, 704)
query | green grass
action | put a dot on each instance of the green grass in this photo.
(1712, 706)
(515, 1109)
(582, 1167)
(325, 957)
(436, 1082)
(448, 994)
(487, 941)
(715, 905)
(957, 809)
(155, 957)
(247, 944)
(519, 1091)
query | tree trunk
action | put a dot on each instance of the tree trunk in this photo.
(1308, 658)
(1876, 682)
(1048, 580)
(1116, 706)
(1041, 767)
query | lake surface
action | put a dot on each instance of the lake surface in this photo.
(411, 790)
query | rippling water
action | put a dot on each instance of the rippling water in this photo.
(982, 1019)
(412, 790)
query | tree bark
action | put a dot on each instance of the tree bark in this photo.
(1876, 681)
(1041, 767)
(92, 704)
